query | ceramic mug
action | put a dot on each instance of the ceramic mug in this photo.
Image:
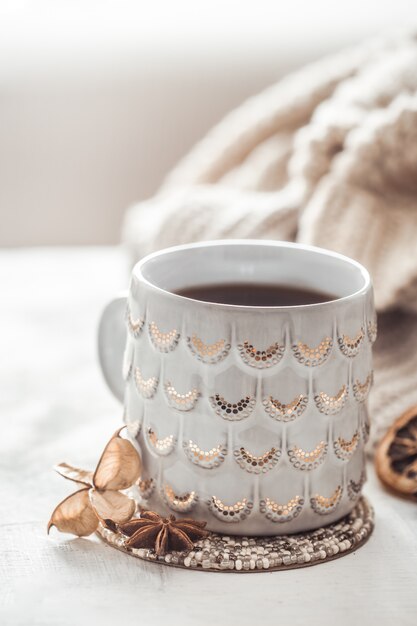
(251, 418)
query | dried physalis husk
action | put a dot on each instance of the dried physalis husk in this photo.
(75, 474)
(119, 466)
(396, 455)
(75, 515)
(112, 505)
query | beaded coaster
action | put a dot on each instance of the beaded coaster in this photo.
(221, 553)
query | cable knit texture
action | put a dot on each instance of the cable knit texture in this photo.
(328, 156)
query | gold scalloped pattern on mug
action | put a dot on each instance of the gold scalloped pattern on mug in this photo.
(146, 386)
(230, 512)
(372, 330)
(308, 460)
(330, 405)
(232, 411)
(260, 359)
(325, 506)
(181, 401)
(350, 346)
(163, 342)
(285, 412)
(257, 464)
(133, 428)
(134, 325)
(311, 357)
(354, 488)
(163, 446)
(361, 390)
(208, 352)
(345, 448)
(207, 459)
(146, 487)
(179, 503)
(281, 513)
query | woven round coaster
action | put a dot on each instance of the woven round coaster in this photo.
(226, 553)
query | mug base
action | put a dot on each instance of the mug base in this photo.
(256, 521)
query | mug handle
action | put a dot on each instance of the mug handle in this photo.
(111, 344)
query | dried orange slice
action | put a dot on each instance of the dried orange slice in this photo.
(396, 455)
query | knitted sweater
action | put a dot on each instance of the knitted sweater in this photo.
(328, 156)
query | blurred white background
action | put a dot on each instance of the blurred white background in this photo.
(99, 99)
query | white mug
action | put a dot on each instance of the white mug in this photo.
(251, 418)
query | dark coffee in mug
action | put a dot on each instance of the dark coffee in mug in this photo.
(255, 294)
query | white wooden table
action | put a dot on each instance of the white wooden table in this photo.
(55, 406)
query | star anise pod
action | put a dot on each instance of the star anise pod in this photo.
(152, 531)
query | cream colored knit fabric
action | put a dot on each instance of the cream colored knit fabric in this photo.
(328, 156)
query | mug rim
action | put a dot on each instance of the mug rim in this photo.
(367, 284)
